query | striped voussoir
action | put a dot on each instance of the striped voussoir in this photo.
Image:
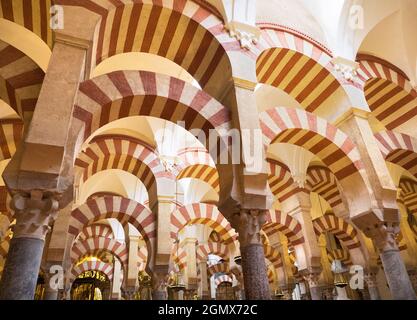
(101, 194)
(296, 66)
(298, 127)
(11, 131)
(121, 94)
(282, 222)
(223, 278)
(204, 173)
(341, 255)
(216, 248)
(389, 93)
(402, 244)
(202, 213)
(194, 155)
(344, 231)
(322, 181)
(121, 152)
(408, 189)
(20, 80)
(91, 246)
(124, 210)
(181, 31)
(4, 247)
(399, 148)
(273, 256)
(270, 274)
(281, 181)
(179, 257)
(96, 230)
(271, 37)
(218, 268)
(33, 15)
(106, 268)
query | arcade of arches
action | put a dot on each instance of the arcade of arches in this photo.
(113, 187)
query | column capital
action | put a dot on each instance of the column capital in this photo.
(312, 279)
(370, 279)
(249, 223)
(348, 69)
(35, 213)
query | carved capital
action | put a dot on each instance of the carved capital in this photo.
(246, 34)
(249, 224)
(160, 281)
(312, 279)
(35, 214)
(370, 279)
(384, 236)
(347, 68)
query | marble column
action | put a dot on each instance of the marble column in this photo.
(384, 238)
(341, 293)
(51, 285)
(249, 223)
(34, 214)
(313, 283)
(372, 285)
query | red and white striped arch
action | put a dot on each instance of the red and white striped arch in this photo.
(91, 246)
(278, 221)
(218, 268)
(11, 131)
(273, 37)
(194, 155)
(20, 79)
(223, 278)
(322, 181)
(408, 194)
(185, 32)
(179, 257)
(4, 247)
(106, 268)
(341, 255)
(122, 94)
(33, 15)
(216, 248)
(202, 213)
(124, 153)
(201, 172)
(273, 256)
(270, 274)
(344, 231)
(399, 148)
(96, 230)
(119, 152)
(388, 91)
(298, 127)
(284, 59)
(280, 181)
(124, 210)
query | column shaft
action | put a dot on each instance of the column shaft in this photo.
(249, 223)
(254, 272)
(20, 273)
